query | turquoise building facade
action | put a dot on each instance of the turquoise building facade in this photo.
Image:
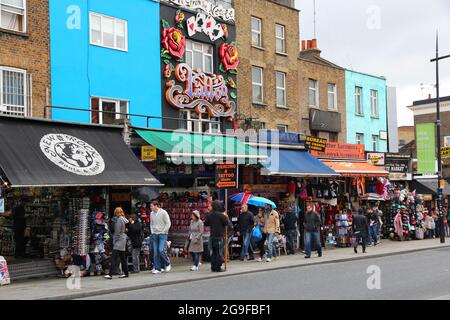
(366, 111)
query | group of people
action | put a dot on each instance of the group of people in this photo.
(123, 228)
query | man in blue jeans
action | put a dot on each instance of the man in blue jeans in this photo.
(246, 223)
(312, 228)
(160, 226)
(373, 228)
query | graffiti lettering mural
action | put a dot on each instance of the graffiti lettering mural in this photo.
(202, 93)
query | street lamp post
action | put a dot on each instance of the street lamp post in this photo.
(438, 142)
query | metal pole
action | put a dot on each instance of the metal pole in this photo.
(439, 156)
(226, 231)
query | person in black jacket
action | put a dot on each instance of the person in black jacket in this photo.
(218, 221)
(290, 228)
(136, 235)
(360, 228)
(246, 223)
(312, 229)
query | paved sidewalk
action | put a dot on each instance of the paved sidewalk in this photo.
(57, 288)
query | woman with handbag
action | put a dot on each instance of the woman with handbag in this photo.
(194, 243)
(119, 245)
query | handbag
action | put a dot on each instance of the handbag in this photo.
(187, 243)
(256, 233)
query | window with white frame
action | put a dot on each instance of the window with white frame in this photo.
(256, 32)
(374, 143)
(194, 122)
(446, 141)
(13, 15)
(282, 128)
(313, 93)
(108, 32)
(14, 84)
(332, 97)
(257, 84)
(358, 101)
(108, 111)
(199, 56)
(374, 103)
(280, 38)
(359, 138)
(281, 89)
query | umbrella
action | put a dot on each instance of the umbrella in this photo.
(241, 197)
(261, 202)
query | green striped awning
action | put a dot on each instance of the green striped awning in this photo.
(196, 145)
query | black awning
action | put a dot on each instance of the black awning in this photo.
(48, 153)
(428, 186)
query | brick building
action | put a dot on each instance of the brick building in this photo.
(268, 43)
(322, 95)
(406, 134)
(24, 57)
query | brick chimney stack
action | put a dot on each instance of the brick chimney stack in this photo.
(309, 47)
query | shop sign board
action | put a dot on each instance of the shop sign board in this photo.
(316, 144)
(337, 150)
(426, 148)
(398, 166)
(376, 158)
(210, 8)
(148, 153)
(445, 152)
(226, 176)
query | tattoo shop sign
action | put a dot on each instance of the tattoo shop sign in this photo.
(216, 11)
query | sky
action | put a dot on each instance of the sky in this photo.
(395, 39)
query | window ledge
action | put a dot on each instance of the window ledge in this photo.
(259, 48)
(359, 115)
(16, 33)
(283, 107)
(282, 54)
(314, 107)
(260, 104)
(332, 110)
(375, 117)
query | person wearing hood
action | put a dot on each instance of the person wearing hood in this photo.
(119, 245)
(217, 221)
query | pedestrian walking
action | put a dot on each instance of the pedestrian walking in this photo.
(360, 228)
(160, 226)
(119, 245)
(312, 228)
(246, 223)
(374, 222)
(290, 227)
(430, 225)
(146, 248)
(196, 230)
(261, 222)
(218, 222)
(136, 236)
(271, 228)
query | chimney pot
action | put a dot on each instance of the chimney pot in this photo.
(309, 44)
(303, 45)
(429, 96)
(314, 44)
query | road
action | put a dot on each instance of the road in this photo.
(415, 276)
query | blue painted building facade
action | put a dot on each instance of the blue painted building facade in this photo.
(104, 55)
(366, 111)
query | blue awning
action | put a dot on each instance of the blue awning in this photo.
(294, 163)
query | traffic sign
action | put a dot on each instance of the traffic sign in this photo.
(445, 152)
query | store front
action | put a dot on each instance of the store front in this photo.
(186, 164)
(60, 183)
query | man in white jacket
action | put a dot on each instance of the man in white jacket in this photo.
(160, 226)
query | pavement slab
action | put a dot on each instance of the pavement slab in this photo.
(51, 288)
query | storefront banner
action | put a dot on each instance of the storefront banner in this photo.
(426, 148)
(337, 150)
(376, 158)
(148, 153)
(398, 166)
(316, 144)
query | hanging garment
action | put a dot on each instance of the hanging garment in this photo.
(398, 224)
